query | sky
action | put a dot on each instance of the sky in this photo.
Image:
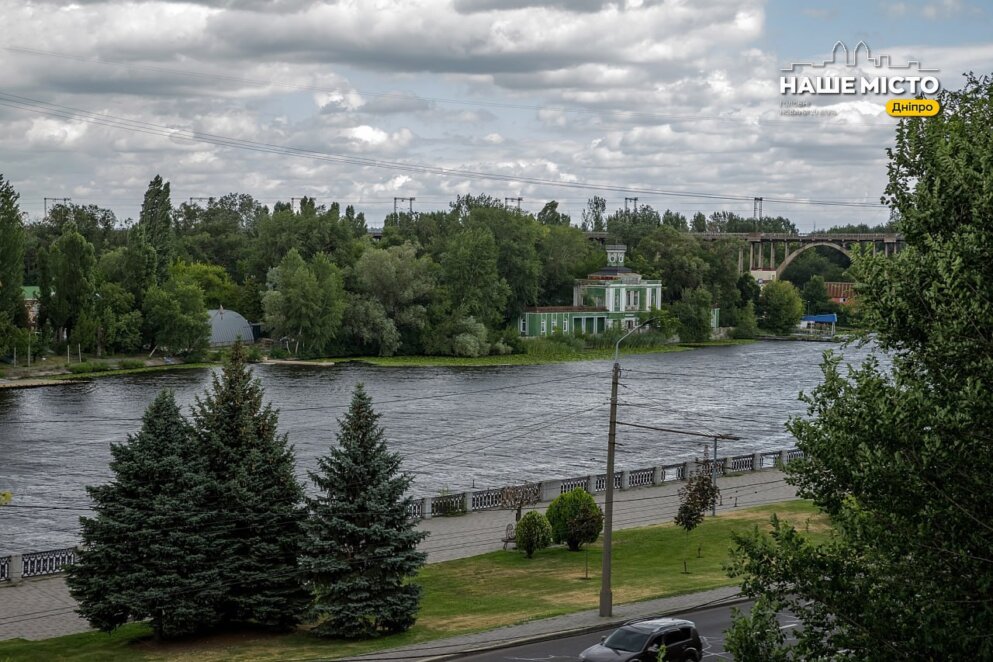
(674, 102)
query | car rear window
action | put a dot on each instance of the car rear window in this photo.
(626, 639)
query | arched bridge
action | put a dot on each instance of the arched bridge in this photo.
(773, 252)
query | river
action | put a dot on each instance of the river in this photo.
(458, 428)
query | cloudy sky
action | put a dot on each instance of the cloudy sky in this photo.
(362, 101)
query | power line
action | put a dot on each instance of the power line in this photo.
(69, 112)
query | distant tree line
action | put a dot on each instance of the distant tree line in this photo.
(443, 282)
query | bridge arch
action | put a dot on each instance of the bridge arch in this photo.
(804, 247)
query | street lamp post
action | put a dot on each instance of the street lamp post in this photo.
(606, 596)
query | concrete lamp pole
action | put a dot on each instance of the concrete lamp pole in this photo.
(606, 596)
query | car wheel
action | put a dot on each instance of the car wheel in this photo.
(691, 657)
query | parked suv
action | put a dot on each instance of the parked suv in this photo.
(640, 641)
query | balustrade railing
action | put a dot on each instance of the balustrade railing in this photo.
(742, 463)
(487, 499)
(448, 504)
(54, 561)
(641, 477)
(572, 483)
(47, 563)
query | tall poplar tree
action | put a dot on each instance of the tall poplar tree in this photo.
(156, 223)
(360, 550)
(11, 256)
(149, 552)
(252, 468)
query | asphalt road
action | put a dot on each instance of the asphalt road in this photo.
(711, 623)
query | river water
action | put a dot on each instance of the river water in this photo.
(458, 428)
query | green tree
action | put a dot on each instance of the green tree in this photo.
(360, 550)
(815, 296)
(251, 468)
(118, 323)
(756, 636)
(565, 254)
(11, 256)
(533, 532)
(148, 551)
(469, 267)
(595, 215)
(699, 495)
(155, 222)
(699, 223)
(575, 518)
(177, 317)
(305, 302)
(780, 307)
(748, 326)
(402, 283)
(71, 262)
(693, 313)
(215, 283)
(550, 215)
(897, 456)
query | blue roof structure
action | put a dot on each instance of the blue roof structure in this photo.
(824, 318)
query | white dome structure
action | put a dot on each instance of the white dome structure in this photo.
(227, 326)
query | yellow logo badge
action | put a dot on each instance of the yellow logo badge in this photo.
(912, 107)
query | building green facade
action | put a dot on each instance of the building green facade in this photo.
(611, 298)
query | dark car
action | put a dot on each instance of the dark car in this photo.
(640, 641)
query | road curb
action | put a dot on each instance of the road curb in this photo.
(538, 638)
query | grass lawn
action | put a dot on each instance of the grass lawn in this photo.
(473, 594)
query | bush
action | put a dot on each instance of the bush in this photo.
(79, 368)
(278, 352)
(533, 533)
(575, 518)
(254, 354)
(131, 364)
(747, 327)
(499, 348)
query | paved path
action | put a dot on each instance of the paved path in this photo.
(41, 608)
(481, 532)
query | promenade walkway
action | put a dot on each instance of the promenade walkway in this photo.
(42, 608)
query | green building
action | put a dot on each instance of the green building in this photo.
(610, 298)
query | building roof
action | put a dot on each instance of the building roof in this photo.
(30, 292)
(825, 318)
(227, 326)
(564, 309)
(840, 290)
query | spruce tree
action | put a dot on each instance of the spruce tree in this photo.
(360, 550)
(257, 495)
(147, 552)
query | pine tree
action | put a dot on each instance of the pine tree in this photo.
(361, 546)
(256, 491)
(148, 552)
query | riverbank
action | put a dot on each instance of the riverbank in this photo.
(60, 373)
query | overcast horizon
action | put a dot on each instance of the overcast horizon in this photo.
(639, 95)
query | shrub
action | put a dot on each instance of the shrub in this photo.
(131, 364)
(79, 368)
(575, 518)
(499, 348)
(533, 533)
(278, 352)
(254, 354)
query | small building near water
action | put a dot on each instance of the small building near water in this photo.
(227, 326)
(611, 298)
(823, 324)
